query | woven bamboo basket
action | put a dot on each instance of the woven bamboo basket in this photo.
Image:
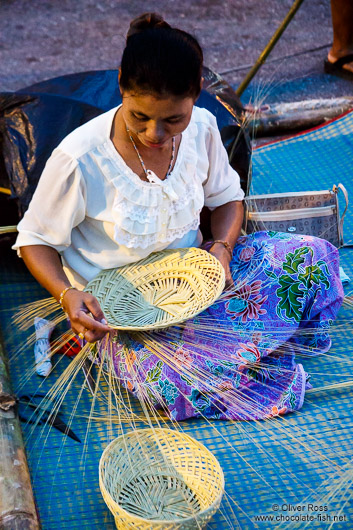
(160, 479)
(163, 289)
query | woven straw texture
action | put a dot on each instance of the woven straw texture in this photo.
(158, 478)
(163, 289)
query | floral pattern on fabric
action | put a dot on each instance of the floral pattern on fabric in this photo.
(236, 360)
(246, 302)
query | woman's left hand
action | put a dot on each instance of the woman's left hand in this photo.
(222, 254)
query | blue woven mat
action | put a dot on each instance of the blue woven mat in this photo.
(270, 467)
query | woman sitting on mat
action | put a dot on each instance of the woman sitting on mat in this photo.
(133, 181)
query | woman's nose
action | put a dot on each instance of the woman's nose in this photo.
(155, 131)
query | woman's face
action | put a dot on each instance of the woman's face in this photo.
(154, 119)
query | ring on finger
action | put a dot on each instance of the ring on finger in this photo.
(81, 336)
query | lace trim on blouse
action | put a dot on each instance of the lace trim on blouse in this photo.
(147, 213)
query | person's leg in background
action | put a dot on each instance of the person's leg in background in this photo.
(340, 57)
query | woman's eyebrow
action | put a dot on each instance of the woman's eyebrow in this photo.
(175, 116)
(142, 115)
(137, 113)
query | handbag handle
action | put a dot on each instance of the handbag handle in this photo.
(345, 194)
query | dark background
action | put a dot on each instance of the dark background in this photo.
(41, 39)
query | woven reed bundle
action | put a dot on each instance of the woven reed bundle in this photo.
(8, 229)
(160, 479)
(163, 289)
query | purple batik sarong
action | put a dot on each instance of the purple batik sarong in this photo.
(236, 360)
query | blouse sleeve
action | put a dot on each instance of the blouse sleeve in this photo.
(223, 182)
(57, 206)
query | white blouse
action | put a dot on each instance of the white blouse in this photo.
(98, 214)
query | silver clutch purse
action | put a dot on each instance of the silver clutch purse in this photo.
(314, 213)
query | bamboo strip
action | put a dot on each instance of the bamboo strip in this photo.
(8, 229)
(269, 47)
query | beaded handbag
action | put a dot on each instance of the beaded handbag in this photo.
(314, 213)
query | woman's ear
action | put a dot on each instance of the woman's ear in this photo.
(201, 87)
(119, 77)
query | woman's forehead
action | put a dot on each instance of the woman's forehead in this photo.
(156, 105)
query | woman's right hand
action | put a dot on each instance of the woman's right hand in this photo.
(83, 309)
(85, 314)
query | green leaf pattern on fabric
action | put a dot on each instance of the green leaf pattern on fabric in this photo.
(145, 356)
(315, 274)
(187, 380)
(290, 295)
(271, 275)
(294, 259)
(299, 281)
(154, 374)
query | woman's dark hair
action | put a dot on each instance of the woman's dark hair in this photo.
(160, 59)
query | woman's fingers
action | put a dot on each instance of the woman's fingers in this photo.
(95, 309)
(92, 329)
(229, 283)
(94, 335)
(88, 322)
(86, 316)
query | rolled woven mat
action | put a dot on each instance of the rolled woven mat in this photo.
(161, 290)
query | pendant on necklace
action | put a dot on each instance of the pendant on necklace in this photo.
(150, 175)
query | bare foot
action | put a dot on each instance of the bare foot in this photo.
(333, 58)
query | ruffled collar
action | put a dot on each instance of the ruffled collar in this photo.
(186, 136)
(150, 213)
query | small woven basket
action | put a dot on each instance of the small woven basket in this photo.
(160, 479)
(163, 289)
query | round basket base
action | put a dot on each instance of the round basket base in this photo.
(159, 497)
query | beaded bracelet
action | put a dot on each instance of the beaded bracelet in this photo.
(225, 244)
(62, 294)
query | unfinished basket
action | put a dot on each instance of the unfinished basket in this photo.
(163, 289)
(160, 479)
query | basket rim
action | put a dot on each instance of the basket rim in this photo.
(153, 257)
(163, 521)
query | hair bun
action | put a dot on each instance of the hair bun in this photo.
(146, 21)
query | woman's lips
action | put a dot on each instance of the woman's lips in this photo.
(154, 144)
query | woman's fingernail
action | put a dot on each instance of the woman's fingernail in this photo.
(103, 321)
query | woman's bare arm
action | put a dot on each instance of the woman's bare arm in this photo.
(45, 265)
(226, 223)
